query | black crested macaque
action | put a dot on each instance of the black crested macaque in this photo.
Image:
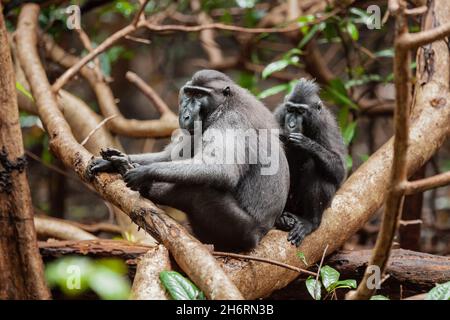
(316, 154)
(229, 204)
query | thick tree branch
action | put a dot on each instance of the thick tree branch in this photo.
(82, 121)
(410, 268)
(21, 267)
(146, 283)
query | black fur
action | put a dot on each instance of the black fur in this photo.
(229, 205)
(316, 154)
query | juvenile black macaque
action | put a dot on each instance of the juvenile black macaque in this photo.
(316, 154)
(231, 205)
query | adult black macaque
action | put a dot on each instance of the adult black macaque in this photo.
(231, 205)
(316, 154)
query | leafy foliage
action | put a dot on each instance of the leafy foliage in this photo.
(440, 292)
(179, 287)
(76, 275)
(329, 280)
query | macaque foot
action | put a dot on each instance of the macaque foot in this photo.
(301, 229)
(286, 221)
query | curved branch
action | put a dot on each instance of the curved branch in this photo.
(146, 283)
(128, 127)
(51, 228)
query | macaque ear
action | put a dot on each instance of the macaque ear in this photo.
(226, 91)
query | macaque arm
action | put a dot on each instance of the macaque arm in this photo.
(328, 161)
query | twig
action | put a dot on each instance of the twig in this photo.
(151, 94)
(416, 11)
(318, 270)
(139, 13)
(265, 260)
(162, 127)
(62, 80)
(422, 185)
(101, 124)
(410, 222)
(87, 44)
(412, 41)
(136, 39)
(50, 166)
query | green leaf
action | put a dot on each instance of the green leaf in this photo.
(179, 287)
(303, 22)
(363, 80)
(125, 8)
(314, 288)
(345, 284)
(337, 93)
(352, 30)
(24, 91)
(274, 67)
(280, 65)
(302, 257)
(273, 90)
(386, 53)
(349, 132)
(349, 162)
(329, 277)
(363, 16)
(440, 292)
(310, 34)
(109, 285)
(246, 3)
(364, 157)
(379, 297)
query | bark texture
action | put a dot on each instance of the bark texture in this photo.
(21, 268)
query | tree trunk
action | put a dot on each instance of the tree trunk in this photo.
(409, 234)
(21, 268)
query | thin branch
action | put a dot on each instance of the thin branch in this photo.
(318, 269)
(111, 40)
(422, 185)
(62, 80)
(162, 127)
(140, 13)
(93, 131)
(87, 44)
(151, 94)
(416, 11)
(413, 41)
(265, 260)
(139, 40)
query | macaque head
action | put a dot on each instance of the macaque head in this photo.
(300, 108)
(200, 97)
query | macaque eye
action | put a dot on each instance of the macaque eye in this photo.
(198, 95)
(291, 109)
